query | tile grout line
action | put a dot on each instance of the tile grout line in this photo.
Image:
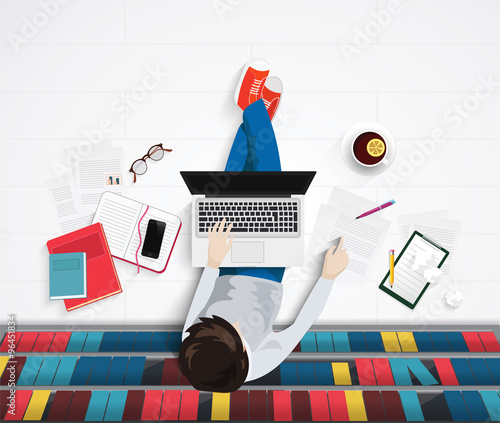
(125, 21)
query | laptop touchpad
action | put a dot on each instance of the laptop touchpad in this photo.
(247, 252)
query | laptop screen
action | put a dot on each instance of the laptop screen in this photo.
(255, 184)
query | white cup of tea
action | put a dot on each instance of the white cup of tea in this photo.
(369, 149)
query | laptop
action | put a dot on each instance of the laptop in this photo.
(265, 208)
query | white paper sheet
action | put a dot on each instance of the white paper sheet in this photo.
(444, 232)
(100, 171)
(62, 195)
(408, 283)
(362, 237)
(405, 222)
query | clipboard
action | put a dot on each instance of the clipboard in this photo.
(412, 285)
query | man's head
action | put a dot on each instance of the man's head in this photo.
(213, 357)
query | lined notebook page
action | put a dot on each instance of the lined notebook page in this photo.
(119, 217)
(408, 284)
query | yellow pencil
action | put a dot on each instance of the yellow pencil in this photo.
(391, 263)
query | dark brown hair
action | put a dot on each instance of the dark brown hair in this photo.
(212, 357)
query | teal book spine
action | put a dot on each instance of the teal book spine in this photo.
(67, 276)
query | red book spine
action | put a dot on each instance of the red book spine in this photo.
(170, 406)
(60, 342)
(60, 405)
(79, 404)
(383, 371)
(27, 341)
(373, 405)
(490, 341)
(189, 405)
(133, 405)
(338, 406)
(9, 339)
(319, 406)
(18, 363)
(258, 405)
(445, 371)
(152, 405)
(393, 406)
(365, 371)
(473, 342)
(282, 406)
(239, 405)
(43, 341)
(301, 407)
(171, 372)
(16, 412)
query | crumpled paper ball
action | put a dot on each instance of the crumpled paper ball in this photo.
(453, 298)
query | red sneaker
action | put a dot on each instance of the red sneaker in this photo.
(271, 95)
(251, 83)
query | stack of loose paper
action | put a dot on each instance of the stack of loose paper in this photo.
(76, 194)
(362, 237)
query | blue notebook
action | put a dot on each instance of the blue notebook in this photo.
(67, 276)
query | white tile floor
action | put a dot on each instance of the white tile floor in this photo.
(421, 68)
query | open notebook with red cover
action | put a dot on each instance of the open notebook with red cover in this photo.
(102, 279)
(120, 217)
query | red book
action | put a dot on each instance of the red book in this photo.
(27, 341)
(383, 371)
(10, 339)
(102, 279)
(78, 407)
(319, 406)
(152, 405)
(282, 406)
(490, 341)
(16, 412)
(239, 405)
(338, 406)
(189, 405)
(393, 407)
(43, 341)
(170, 405)
(171, 371)
(60, 342)
(445, 371)
(365, 371)
(473, 342)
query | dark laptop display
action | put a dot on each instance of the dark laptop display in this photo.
(263, 184)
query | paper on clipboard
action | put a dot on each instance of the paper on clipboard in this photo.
(410, 285)
(440, 229)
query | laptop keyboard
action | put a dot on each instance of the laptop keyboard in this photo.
(261, 218)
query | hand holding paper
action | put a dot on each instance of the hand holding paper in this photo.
(336, 260)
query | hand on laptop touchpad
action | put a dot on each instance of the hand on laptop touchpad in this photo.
(247, 252)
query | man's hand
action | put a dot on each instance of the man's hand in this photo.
(336, 261)
(218, 244)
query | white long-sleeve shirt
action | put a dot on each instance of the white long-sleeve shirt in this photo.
(255, 303)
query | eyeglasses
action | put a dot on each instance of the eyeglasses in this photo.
(139, 167)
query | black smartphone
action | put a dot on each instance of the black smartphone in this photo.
(153, 239)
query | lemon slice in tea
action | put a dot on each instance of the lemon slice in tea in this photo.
(375, 147)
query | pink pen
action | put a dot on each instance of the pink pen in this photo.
(376, 209)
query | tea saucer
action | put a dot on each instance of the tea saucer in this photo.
(348, 141)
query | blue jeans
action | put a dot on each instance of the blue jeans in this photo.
(254, 149)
